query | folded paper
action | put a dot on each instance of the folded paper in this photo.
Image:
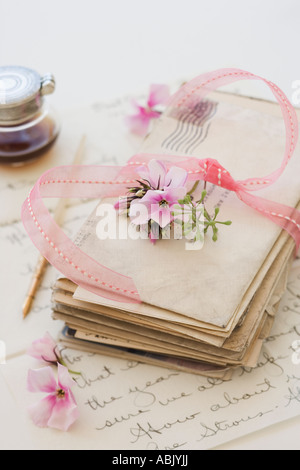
(100, 182)
(206, 311)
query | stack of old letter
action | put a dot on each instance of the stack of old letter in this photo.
(207, 311)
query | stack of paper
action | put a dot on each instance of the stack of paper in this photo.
(205, 311)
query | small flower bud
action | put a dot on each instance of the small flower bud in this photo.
(140, 193)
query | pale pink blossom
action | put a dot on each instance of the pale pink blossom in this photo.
(167, 188)
(58, 409)
(44, 349)
(158, 177)
(140, 121)
(156, 205)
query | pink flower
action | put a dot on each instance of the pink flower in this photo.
(156, 205)
(139, 122)
(167, 189)
(158, 177)
(44, 349)
(58, 409)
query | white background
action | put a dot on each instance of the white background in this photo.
(101, 50)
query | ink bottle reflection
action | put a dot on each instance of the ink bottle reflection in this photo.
(28, 124)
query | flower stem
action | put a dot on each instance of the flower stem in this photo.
(63, 363)
(194, 188)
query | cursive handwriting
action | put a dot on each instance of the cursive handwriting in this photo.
(288, 308)
(265, 387)
(71, 359)
(294, 395)
(293, 390)
(14, 234)
(293, 329)
(290, 378)
(121, 419)
(130, 365)
(144, 397)
(267, 360)
(223, 426)
(149, 430)
(210, 384)
(83, 381)
(95, 403)
(154, 446)
(16, 185)
(171, 400)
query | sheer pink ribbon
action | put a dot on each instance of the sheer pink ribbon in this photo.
(106, 181)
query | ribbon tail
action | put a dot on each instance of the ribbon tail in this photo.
(288, 218)
(54, 244)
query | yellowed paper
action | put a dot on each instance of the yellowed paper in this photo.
(126, 405)
(228, 267)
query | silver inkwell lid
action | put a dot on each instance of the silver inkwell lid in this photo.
(21, 94)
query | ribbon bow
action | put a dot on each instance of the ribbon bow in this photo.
(82, 181)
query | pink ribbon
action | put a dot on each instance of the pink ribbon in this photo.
(107, 181)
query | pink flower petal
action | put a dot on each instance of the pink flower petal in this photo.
(64, 413)
(154, 173)
(136, 105)
(143, 172)
(176, 177)
(139, 212)
(40, 412)
(138, 124)
(159, 94)
(152, 114)
(173, 195)
(161, 215)
(65, 380)
(43, 349)
(157, 173)
(41, 380)
(153, 196)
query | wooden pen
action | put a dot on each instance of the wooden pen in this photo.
(35, 283)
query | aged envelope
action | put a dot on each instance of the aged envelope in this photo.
(242, 348)
(171, 278)
(85, 239)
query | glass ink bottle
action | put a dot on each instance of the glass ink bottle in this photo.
(28, 124)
